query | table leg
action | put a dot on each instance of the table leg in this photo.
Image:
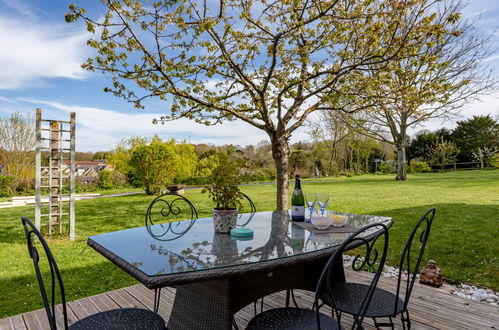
(212, 304)
(203, 305)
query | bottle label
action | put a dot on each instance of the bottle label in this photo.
(297, 213)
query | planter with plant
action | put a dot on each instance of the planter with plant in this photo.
(225, 193)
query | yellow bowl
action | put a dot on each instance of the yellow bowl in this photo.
(339, 220)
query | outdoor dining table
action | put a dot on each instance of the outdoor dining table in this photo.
(215, 275)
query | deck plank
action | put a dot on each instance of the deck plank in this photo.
(430, 308)
(17, 322)
(5, 324)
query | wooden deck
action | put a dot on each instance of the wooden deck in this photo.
(429, 308)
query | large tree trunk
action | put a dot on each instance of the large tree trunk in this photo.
(280, 153)
(401, 168)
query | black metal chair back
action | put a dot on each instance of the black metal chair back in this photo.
(247, 211)
(407, 263)
(370, 244)
(162, 217)
(34, 238)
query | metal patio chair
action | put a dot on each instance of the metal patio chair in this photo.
(247, 211)
(349, 296)
(368, 256)
(168, 217)
(123, 318)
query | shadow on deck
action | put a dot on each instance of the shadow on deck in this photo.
(429, 308)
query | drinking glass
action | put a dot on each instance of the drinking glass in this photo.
(322, 200)
(311, 200)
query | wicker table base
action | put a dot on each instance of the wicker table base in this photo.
(212, 304)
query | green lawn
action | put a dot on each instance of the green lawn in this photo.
(463, 239)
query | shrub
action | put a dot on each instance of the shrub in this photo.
(419, 167)
(154, 165)
(7, 186)
(110, 178)
(494, 160)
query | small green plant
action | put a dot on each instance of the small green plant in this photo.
(494, 160)
(7, 184)
(224, 184)
(419, 167)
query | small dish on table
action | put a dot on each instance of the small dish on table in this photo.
(321, 221)
(338, 220)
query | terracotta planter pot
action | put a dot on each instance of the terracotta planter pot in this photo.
(224, 220)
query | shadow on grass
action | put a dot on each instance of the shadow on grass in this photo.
(463, 240)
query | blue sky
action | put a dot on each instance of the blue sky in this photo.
(40, 58)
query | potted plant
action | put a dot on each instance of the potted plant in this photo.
(225, 193)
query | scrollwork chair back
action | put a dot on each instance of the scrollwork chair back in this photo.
(408, 267)
(247, 211)
(370, 245)
(170, 216)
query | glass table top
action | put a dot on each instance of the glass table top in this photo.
(191, 246)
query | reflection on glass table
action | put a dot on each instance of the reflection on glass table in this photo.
(202, 264)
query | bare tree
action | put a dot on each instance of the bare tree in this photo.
(17, 140)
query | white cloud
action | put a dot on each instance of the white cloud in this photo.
(33, 51)
(487, 105)
(101, 129)
(20, 7)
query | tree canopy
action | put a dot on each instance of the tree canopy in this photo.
(269, 64)
(479, 134)
(447, 73)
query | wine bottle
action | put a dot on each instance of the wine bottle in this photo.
(297, 202)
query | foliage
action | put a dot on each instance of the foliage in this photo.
(442, 153)
(423, 140)
(458, 242)
(111, 178)
(186, 160)
(494, 160)
(155, 165)
(447, 72)
(479, 132)
(120, 156)
(342, 148)
(6, 186)
(224, 187)
(206, 165)
(483, 155)
(419, 167)
(17, 159)
(268, 64)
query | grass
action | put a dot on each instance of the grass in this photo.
(463, 239)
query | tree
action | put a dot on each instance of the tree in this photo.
(478, 135)
(423, 140)
(186, 161)
(345, 149)
(445, 75)
(153, 164)
(442, 153)
(17, 142)
(269, 64)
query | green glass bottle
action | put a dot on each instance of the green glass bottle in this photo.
(297, 202)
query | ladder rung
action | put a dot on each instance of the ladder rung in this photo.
(54, 223)
(46, 148)
(49, 139)
(63, 186)
(57, 121)
(55, 214)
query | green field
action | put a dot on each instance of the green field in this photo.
(464, 237)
